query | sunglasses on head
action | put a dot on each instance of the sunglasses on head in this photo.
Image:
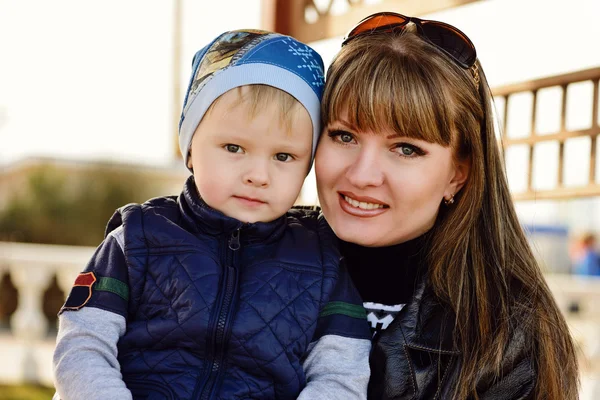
(444, 36)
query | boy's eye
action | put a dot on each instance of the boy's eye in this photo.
(283, 157)
(233, 148)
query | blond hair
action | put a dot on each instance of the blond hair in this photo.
(258, 97)
(479, 261)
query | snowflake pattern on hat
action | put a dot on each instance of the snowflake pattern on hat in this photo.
(306, 54)
(252, 57)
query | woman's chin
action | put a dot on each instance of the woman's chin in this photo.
(359, 237)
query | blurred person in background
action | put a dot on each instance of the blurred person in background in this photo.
(585, 256)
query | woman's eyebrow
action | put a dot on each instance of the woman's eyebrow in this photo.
(346, 124)
(394, 136)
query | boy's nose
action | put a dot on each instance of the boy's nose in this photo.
(258, 175)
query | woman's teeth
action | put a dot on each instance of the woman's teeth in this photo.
(362, 204)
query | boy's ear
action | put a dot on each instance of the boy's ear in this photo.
(189, 160)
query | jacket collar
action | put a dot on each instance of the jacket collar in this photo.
(427, 324)
(201, 218)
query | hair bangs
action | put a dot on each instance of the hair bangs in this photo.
(258, 97)
(388, 92)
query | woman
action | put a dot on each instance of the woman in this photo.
(411, 179)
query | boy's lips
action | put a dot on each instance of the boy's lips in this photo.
(250, 201)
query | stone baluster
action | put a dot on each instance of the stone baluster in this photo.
(31, 280)
(65, 277)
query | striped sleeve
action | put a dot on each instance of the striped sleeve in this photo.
(85, 363)
(104, 283)
(91, 322)
(337, 362)
(344, 314)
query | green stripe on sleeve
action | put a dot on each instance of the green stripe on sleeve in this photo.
(113, 285)
(339, 307)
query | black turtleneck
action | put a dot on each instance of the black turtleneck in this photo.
(385, 276)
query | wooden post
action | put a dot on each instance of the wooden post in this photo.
(268, 14)
(176, 77)
(593, 138)
(561, 143)
(532, 146)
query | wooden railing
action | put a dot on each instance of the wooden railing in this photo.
(561, 136)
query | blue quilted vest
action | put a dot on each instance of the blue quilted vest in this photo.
(220, 309)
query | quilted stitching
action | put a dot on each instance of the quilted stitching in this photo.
(174, 292)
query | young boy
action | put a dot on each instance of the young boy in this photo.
(221, 292)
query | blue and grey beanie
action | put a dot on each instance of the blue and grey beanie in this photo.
(247, 57)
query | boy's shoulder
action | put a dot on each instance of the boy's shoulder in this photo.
(133, 213)
(163, 202)
(308, 217)
(307, 209)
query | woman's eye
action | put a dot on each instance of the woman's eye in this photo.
(283, 157)
(233, 148)
(408, 150)
(346, 137)
(341, 136)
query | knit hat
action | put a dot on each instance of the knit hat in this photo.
(246, 57)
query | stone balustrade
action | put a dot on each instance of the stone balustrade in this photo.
(27, 345)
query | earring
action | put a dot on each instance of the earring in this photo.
(449, 201)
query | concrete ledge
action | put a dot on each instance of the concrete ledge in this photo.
(25, 361)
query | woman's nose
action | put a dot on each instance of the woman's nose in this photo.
(366, 170)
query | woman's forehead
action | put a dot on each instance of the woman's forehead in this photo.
(389, 121)
(343, 121)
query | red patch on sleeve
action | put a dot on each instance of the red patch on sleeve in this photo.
(85, 279)
(81, 292)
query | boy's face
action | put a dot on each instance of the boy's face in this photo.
(251, 169)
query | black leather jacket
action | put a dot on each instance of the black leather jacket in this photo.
(414, 358)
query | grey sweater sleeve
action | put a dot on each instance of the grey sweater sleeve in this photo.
(337, 367)
(85, 359)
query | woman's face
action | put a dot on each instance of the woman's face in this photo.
(379, 189)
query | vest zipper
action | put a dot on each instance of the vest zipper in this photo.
(221, 329)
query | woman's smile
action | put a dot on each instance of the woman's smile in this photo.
(360, 206)
(361, 176)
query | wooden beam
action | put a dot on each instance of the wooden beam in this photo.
(536, 84)
(290, 15)
(559, 137)
(559, 193)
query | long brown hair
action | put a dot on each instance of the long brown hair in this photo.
(479, 260)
